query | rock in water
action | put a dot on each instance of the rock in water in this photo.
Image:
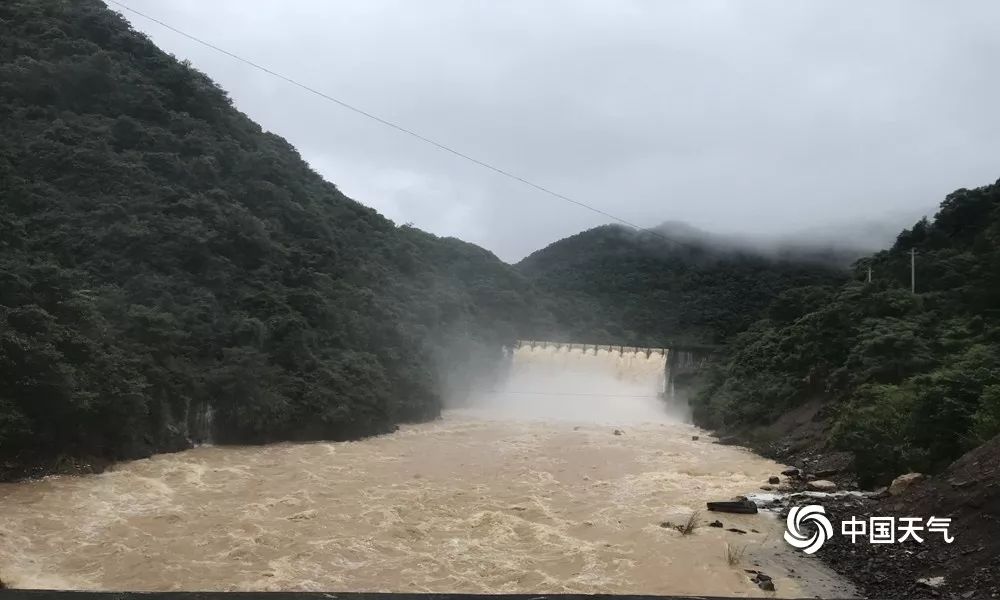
(790, 472)
(618, 432)
(774, 480)
(904, 482)
(740, 505)
(822, 485)
(763, 581)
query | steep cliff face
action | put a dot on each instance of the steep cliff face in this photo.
(170, 272)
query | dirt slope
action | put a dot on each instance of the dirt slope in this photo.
(969, 493)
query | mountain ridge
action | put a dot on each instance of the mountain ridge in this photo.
(615, 283)
(173, 273)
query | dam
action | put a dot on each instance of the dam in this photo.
(563, 478)
(593, 383)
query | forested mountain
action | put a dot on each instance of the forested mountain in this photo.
(172, 273)
(913, 380)
(169, 271)
(672, 286)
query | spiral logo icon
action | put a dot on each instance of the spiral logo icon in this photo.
(804, 516)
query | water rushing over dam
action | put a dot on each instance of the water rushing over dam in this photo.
(549, 380)
(525, 489)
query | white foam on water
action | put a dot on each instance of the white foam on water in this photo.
(549, 382)
(518, 493)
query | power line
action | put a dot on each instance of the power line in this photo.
(395, 126)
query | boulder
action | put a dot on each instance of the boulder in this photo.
(790, 472)
(740, 505)
(904, 482)
(822, 485)
(694, 438)
(763, 581)
(774, 480)
(618, 432)
(715, 524)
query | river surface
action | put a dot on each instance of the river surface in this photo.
(474, 502)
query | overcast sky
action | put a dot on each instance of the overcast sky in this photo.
(754, 117)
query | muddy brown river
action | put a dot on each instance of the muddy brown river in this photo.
(499, 499)
(465, 504)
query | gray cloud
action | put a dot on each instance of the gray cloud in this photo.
(759, 117)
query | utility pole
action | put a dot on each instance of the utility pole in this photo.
(913, 270)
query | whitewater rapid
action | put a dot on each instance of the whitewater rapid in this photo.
(563, 479)
(469, 503)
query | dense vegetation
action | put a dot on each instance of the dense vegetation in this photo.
(913, 379)
(673, 286)
(169, 271)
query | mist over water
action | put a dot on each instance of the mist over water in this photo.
(560, 481)
(584, 384)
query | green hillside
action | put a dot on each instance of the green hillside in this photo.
(913, 379)
(612, 284)
(169, 272)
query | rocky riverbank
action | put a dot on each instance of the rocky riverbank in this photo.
(29, 467)
(968, 493)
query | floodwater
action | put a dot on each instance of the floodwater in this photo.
(464, 504)
(483, 500)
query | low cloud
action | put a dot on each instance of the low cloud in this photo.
(756, 118)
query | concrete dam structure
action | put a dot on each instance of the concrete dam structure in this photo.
(557, 481)
(591, 348)
(588, 382)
